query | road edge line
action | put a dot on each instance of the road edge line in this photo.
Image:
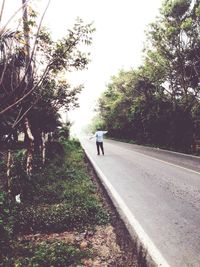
(152, 255)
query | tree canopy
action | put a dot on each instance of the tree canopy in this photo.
(34, 84)
(159, 102)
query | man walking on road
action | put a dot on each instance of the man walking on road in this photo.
(99, 140)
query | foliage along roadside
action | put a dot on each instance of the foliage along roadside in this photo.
(34, 82)
(49, 253)
(158, 103)
(74, 205)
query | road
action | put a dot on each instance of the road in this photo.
(162, 191)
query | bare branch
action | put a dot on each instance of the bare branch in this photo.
(2, 8)
(34, 47)
(5, 26)
(17, 121)
(27, 94)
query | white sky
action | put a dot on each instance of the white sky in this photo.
(117, 43)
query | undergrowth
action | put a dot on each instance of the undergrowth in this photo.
(58, 197)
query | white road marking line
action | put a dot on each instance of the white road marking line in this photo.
(167, 162)
(127, 214)
(187, 169)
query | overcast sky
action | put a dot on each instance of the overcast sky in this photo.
(117, 43)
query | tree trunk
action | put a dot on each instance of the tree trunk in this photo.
(43, 148)
(37, 141)
(8, 171)
(28, 133)
(30, 146)
(27, 41)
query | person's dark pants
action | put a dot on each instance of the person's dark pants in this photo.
(100, 146)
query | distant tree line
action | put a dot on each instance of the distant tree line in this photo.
(159, 103)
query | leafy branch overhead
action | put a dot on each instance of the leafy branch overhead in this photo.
(33, 80)
(47, 58)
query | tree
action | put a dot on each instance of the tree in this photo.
(30, 64)
(115, 103)
(157, 106)
(176, 39)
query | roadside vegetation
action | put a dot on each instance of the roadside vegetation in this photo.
(60, 197)
(51, 213)
(158, 103)
(44, 185)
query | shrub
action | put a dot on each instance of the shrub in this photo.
(55, 149)
(58, 197)
(20, 182)
(6, 225)
(61, 217)
(51, 253)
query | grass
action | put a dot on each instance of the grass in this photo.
(49, 253)
(59, 197)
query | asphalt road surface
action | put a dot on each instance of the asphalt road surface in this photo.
(162, 190)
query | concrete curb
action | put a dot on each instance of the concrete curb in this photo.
(151, 255)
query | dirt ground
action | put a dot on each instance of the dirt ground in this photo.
(124, 254)
(102, 240)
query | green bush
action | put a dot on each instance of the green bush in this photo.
(61, 217)
(6, 225)
(52, 253)
(20, 182)
(61, 190)
(58, 197)
(55, 183)
(55, 149)
(3, 182)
